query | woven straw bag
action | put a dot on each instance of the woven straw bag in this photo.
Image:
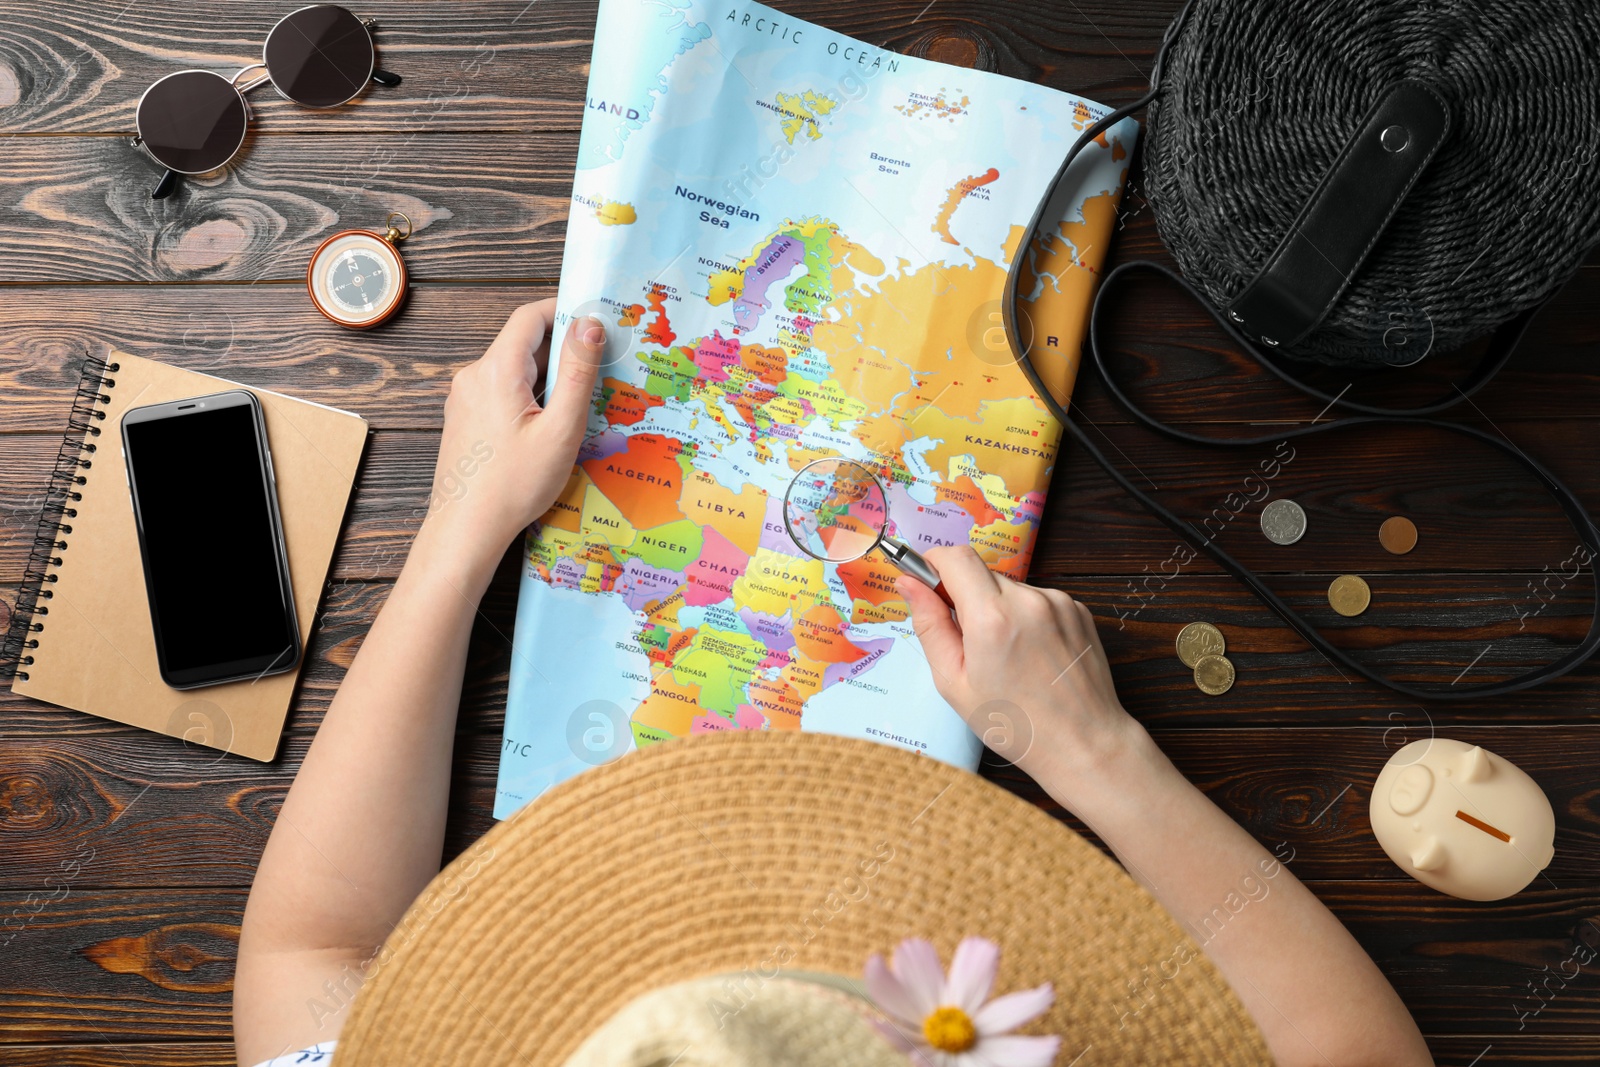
(1361, 183)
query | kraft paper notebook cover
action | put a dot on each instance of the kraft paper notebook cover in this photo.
(95, 648)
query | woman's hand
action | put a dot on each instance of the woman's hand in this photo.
(1024, 666)
(503, 459)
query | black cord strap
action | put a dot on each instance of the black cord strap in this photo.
(1503, 343)
(1500, 350)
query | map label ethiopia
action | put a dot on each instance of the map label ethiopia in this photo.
(842, 301)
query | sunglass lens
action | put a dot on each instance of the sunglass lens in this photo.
(319, 56)
(192, 121)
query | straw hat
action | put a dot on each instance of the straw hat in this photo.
(746, 858)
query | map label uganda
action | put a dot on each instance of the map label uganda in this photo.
(798, 243)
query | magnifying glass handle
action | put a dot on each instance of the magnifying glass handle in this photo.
(911, 562)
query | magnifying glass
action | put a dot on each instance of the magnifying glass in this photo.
(836, 510)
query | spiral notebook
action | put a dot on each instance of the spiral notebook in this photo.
(80, 635)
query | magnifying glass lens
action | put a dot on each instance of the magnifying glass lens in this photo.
(835, 510)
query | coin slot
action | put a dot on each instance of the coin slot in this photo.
(1485, 827)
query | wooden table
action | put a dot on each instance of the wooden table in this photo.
(125, 859)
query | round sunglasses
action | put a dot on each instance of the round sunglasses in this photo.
(193, 121)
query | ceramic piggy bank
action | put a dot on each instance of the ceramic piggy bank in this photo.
(1462, 820)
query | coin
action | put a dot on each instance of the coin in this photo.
(1213, 674)
(1199, 639)
(1349, 595)
(1398, 534)
(1283, 521)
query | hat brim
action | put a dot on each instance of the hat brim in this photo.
(757, 852)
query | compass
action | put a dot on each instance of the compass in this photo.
(357, 278)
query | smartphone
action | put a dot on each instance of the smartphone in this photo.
(205, 501)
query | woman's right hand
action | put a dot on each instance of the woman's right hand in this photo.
(1024, 666)
(504, 457)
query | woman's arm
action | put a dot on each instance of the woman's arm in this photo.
(1317, 997)
(362, 830)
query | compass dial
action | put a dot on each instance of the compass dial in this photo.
(357, 279)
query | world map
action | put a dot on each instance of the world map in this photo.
(797, 241)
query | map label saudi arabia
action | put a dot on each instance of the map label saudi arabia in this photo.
(798, 243)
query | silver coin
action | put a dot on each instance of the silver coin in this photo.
(1283, 521)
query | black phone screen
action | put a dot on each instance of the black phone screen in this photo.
(211, 545)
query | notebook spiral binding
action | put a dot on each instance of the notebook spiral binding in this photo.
(73, 458)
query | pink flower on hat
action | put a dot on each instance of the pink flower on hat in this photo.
(943, 1021)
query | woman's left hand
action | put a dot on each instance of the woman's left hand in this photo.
(503, 458)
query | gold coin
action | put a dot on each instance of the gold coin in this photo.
(1199, 639)
(1213, 674)
(1398, 534)
(1349, 595)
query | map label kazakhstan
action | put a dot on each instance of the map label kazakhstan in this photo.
(797, 242)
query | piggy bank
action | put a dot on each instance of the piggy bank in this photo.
(1462, 820)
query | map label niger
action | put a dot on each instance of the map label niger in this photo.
(655, 541)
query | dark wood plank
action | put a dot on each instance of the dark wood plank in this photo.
(1475, 508)
(1514, 1050)
(1461, 966)
(396, 376)
(79, 209)
(468, 65)
(175, 1054)
(1169, 357)
(134, 810)
(170, 1055)
(1281, 680)
(96, 966)
(505, 65)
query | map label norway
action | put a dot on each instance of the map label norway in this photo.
(842, 305)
